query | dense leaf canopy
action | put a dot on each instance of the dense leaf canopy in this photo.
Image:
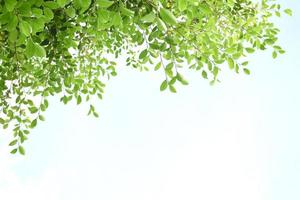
(71, 48)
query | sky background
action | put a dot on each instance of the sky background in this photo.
(236, 140)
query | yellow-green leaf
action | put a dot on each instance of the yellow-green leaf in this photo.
(182, 4)
(164, 85)
(21, 150)
(25, 28)
(167, 16)
(104, 3)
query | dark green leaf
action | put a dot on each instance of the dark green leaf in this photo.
(12, 143)
(14, 151)
(246, 71)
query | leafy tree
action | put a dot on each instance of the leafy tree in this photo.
(71, 48)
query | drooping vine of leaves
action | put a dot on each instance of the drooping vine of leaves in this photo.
(71, 48)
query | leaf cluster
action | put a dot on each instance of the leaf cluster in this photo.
(70, 48)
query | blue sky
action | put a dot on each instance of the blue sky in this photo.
(236, 140)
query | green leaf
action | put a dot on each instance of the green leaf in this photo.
(21, 150)
(204, 74)
(274, 54)
(34, 49)
(37, 12)
(161, 25)
(117, 19)
(12, 143)
(157, 66)
(82, 4)
(164, 85)
(250, 50)
(25, 28)
(48, 14)
(148, 18)
(246, 71)
(204, 7)
(172, 88)
(79, 99)
(182, 4)
(50, 4)
(2, 121)
(143, 54)
(71, 12)
(24, 10)
(41, 117)
(181, 79)
(245, 63)
(127, 12)
(230, 62)
(96, 114)
(30, 49)
(172, 81)
(33, 123)
(5, 126)
(61, 3)
(288, 12)
(12, 23)
(10, 5)
(14, 151)
(33, 109)
(39, 50)
(104, 3)
(168, 17)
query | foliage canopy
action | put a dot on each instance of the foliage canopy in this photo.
(71, 47)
